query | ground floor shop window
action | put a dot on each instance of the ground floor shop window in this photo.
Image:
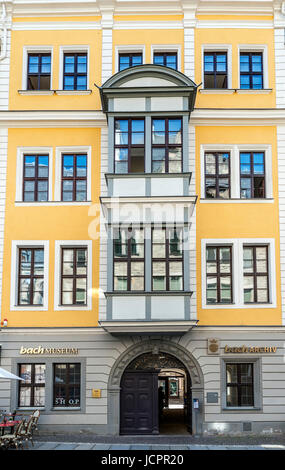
(66, 385)
(32, 388)
(239, 384)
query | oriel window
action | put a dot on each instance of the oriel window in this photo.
(39, 71)
(129, 259)
(255, 274)
(166, 59)
(217, 175)
(215, 70)
(251, 70)
(239, 384)
(219, 274)
(75, 71)
(127, 60)
(31, 276)
(167, 259)
(252, 175)
(74, 177)
(167, 145)
(66, 385)
(32, 387)
(74, 276)
(129, 146)
(35, 178)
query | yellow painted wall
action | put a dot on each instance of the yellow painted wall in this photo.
(91, 38)
(235, 37)
(149, 37)
(237, 220)
(50, 223)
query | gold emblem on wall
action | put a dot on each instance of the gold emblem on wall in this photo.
(213, 346)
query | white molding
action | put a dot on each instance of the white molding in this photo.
(57, 274)
(237, 272)
(73, 92)
(233, 24)
(34, 50)
(218, 48)
(254, 91)
(56, 26)
(19, 171)
(167, 48)
(57, 181)
(235, 170)
(138, 25)
(124, 49)
(70, 49)
(16, 244)
(255, 48)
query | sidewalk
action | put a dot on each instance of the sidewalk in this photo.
(133, 446)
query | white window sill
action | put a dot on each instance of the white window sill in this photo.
(241, 408)
(236, 306)
(72, 308)
(73, 92)
(219, 91)
(236, 201)
(36, 92)
(66, 408)
(263, 91)
(30, 308)
(230, 91)
(52, 203)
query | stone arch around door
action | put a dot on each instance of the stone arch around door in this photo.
(155, 346)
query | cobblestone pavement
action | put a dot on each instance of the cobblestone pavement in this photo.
(134, 446)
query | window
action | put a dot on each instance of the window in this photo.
(166, 59)
(255, 274)
(74, 177)
(167, 145)
(74, 276)
(251, 70)
(32, 388)
(31, 276)
(129, 259)
(167, 259)
(219, 274)
(217, 175)
(75, 71)
(215, 70)
(239, 384)
(35, 178)
(127, 60)
(39, 71)
(252, 175)
(129, 146)
(66, 385)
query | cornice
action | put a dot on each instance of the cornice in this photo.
(136, 7)
(199, 117)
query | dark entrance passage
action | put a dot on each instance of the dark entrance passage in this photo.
(156, 396)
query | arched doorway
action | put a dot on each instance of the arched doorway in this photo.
(156, 396)
(154, 345)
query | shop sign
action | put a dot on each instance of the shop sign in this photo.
(59, 401)
(53, 351)
(250, 349)
(96, 393)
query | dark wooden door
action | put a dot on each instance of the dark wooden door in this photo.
(139, 403)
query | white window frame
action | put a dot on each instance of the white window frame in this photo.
(57, 185)
(167, 48)
(57, 274)
(235, 172)
(237, 272)
(36, 50)
(70, 49)
(140, 49)
(254, 48)
(21, 151)
(16, 244)
(218, 48)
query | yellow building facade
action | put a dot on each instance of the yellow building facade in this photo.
(141, 215)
